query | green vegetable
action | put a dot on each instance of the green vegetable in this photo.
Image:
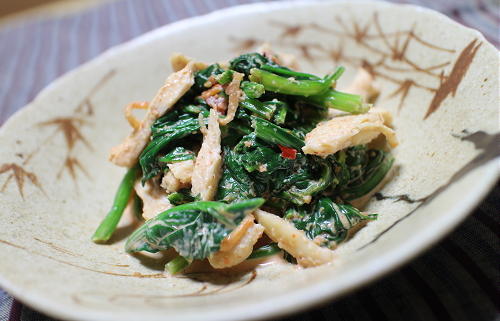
(246, 62)
(271, 133)
(195, 230)
(201, 77)
(261, 109)
(329, 224)
(291, 86)
(235, 183)
(180, 197)
(195, 110)
(303, 195)
(163, 134)
(108, 225)
(252, 89)
(283, 71)
(225, 77)
(342, 101)
(281, 112)
(374, 169)
(177, 265)
(179, 154)
(263, 251)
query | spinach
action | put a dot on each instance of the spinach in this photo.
(235, 182)
(360, 170)
(328, 224)
(163, 134)
(195, 230)
(178, 154)
(201, 77)
(248, 61)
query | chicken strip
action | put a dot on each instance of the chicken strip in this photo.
(293, 241)
(183, 171)
(242, 240)
(154, 199)
(208, 165)
(179, 61)
(341, 132)
(176, 85)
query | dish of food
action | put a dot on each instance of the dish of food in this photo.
(224, 145)
(56, 184)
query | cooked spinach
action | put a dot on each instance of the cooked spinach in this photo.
(178, 154)
(195, 230)
(328, 224)
(262, 162)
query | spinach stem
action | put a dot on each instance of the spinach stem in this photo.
(109, 223)
(276, 135)
(176, 265)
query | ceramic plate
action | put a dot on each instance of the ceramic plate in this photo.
(438, 78)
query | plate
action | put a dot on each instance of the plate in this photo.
(438, 78)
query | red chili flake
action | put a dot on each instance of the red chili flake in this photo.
(288, 152)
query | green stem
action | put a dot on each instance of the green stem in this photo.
(261, 109)
(108, 225)
(342, 101)
(279, 84)
(289, 73)
(274, 134)
(177, 265)
(252, 89)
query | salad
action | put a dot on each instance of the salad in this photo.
(248, 159)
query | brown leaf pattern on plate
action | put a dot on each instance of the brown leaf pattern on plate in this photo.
(70, 127)
(20, 175)
(389, 57)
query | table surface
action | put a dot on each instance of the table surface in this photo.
(456, 280)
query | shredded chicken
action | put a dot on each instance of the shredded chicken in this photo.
(341, 132)
(153, 198)
(183, 171)
(235, 93)
(172, 184)
(235, 236)
(239, 244)
(293, 241)
(208, 165)
(179, 61)
(176, 85)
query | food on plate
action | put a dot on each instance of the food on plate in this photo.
(244, 160)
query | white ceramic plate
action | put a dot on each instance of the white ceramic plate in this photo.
(438, 78)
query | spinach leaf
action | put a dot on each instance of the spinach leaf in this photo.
(201, 77)
(248, 61)
(360, 170)
(178, 154)
(195, 230)
(164, 132)
(328, 224)
(235, 182)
